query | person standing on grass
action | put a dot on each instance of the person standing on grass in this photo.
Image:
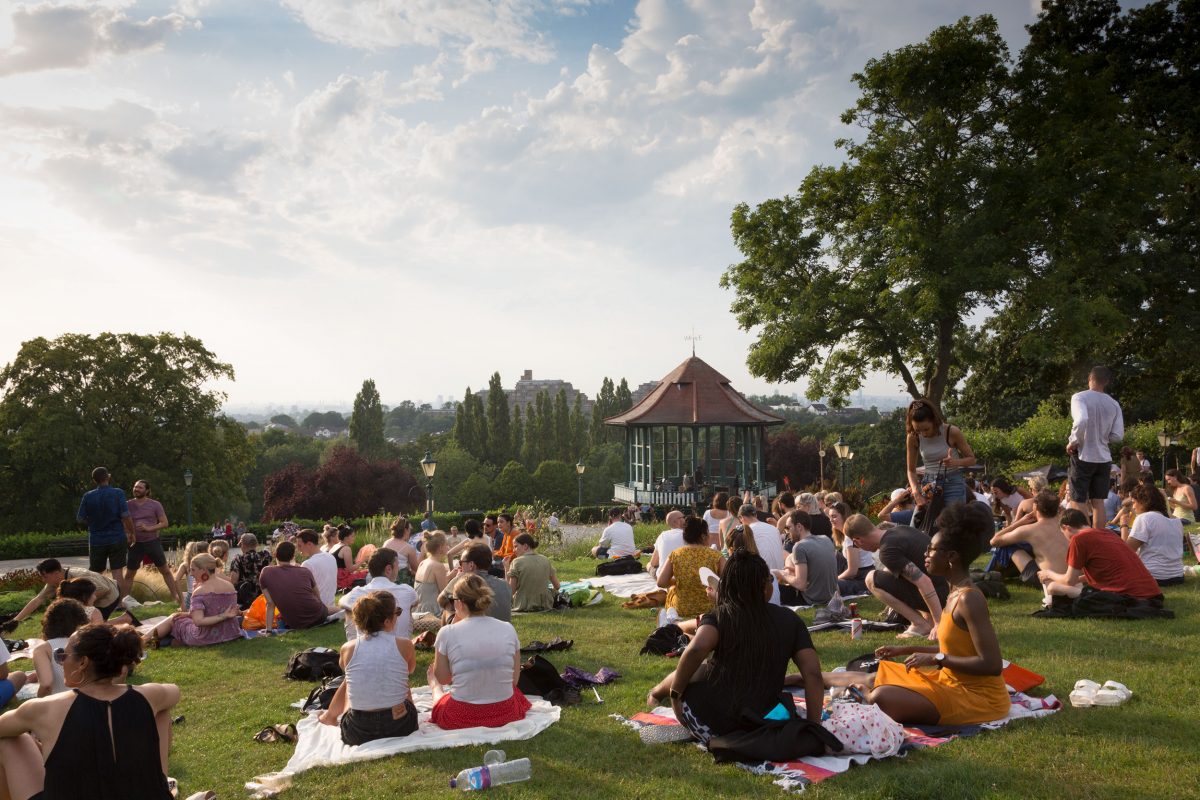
(110, 529)
(149, 519)
(1096, 422)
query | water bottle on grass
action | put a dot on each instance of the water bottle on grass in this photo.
(494, 772)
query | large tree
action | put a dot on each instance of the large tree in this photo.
(366, 422)
(499, 448)
(139, 404)
(879, 263)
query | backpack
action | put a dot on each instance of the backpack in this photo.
(625, 565)
(665, 640)
(313, 664)
(321, 696)
(540, 677)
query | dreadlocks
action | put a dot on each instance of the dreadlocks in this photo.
(743, 645)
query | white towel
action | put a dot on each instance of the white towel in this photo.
(625, 585)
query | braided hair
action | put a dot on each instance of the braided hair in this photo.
(743, 638)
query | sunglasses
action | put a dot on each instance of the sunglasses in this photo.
(60, 655)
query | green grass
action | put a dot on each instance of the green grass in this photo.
(1144, 749)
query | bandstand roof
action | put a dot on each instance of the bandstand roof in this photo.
(695, 394)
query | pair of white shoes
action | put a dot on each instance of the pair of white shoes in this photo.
(1089, 693)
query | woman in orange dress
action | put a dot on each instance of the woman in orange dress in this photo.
(957, 682)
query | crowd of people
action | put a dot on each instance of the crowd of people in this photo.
(732, 577)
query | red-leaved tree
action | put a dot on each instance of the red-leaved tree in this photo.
(346, 485)
(789, 456)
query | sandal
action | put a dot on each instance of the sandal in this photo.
(1112, 694)
(267, 734)
(1084, 694)
(287, 733)
(425, 640)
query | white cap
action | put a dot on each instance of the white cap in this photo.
(897, 493)
(709, 578)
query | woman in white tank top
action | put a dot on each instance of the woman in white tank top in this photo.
(63, 618)
(374, 695)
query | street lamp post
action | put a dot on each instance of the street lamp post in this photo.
(1164, 441)
(428, 466)
(843, 453)
(187, 490)
(821, 468)
(579, 470)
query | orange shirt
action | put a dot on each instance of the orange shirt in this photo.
(506, 546)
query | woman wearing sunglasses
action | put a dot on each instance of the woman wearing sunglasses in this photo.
(77, 730)
(63, 618)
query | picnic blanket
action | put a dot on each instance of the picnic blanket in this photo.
(26, 651)
(624, 585)
(794, 776)
(153, 622)
(321, 745)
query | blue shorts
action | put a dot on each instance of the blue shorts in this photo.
(7, 692)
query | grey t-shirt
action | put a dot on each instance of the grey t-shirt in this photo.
(820, 556)
(501, 607)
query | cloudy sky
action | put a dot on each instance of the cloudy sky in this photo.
(418, 191)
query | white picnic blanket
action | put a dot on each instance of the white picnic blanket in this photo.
(25, 652)
(625, 585)
(321, 745)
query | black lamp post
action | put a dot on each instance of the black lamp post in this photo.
(844, 455)
(821, 468)
(187, 490)
(580, 467)
(1164, 441)
(428, 466)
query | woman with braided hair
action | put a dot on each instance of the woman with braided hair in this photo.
(739, 655)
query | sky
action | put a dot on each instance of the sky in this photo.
(421, 192)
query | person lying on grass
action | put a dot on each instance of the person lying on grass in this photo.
(65, 746)
(213, 618)
(373, 701)
(958, 681)
(107, 594)
(738, 658)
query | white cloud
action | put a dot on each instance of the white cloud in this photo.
(48, 36)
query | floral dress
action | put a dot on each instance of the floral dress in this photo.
(687, 596)
(187, 632)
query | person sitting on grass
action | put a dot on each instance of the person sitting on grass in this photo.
(508, 534)
(433, 574)
(854, 563)
(617, 539)
(62, 618)
(738, 658)
(52, 573)
(322, 565)
(669, 541)
(958, 681)
(680, 574)
(1038, 545)
(1155, 537)
(382, 568)
(104, 739)
(183, 573)
(809, 576)
(477, 560)
(897, 581)
(83, 591)
(213, 618)
(1098, 561)
(474, 535)
(476, 665)
(410, 559)
(531, 577)
(245, 568)
(292, 589)
(373, 701)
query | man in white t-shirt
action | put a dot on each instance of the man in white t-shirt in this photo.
(766, 537)
(322, 565)
(382, 567)
(1096, 422)
(617, 539)
(667, 542)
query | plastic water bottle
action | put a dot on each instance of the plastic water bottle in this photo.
(855, 622)
(494, 772)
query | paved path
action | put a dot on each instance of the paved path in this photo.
(30, 563)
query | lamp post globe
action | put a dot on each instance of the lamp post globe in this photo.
(580, 468)
(187, 490)
(429, 467)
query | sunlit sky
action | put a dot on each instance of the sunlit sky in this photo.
(419, 192)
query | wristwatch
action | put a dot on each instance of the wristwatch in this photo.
(940, 658)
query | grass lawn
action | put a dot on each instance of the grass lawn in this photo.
(1140, 750)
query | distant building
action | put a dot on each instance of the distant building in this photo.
(527, 389)
(820, 409)
(323, 433)
(640, 392)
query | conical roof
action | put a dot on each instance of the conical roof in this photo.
(694, 394)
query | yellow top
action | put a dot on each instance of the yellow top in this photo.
(1179, 512)
(687, 596)
(961, 699)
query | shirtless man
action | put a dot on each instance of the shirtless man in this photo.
(1044, 536)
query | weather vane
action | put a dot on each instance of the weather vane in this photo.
(693, 339)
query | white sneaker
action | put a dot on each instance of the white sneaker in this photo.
(1084, 694)
(129, 603)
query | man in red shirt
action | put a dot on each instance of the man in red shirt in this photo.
(1102, 560)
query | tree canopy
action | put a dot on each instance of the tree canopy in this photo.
(366, 422)
(137, 404)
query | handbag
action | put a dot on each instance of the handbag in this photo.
(925, 517)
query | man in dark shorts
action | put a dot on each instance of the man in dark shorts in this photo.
(110, 529)
(1096, 421)
(148, 519)
(899, 579)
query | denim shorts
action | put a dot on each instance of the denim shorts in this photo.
(360, 727)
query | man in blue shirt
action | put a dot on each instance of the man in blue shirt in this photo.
(110, 528)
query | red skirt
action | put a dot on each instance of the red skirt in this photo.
(450, 714)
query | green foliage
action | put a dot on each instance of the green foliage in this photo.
(366, 422)
(556, 484)
(137, 404)
(475, 492)
(408, 422)
(325, 419)
(514, 484)
(454, 466)
(499, 447)
(284, 420)
(273, 450)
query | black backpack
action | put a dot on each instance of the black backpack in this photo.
(321, 696)
(313, 664)
(540, 677)
(625, 565)
(667, 639)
